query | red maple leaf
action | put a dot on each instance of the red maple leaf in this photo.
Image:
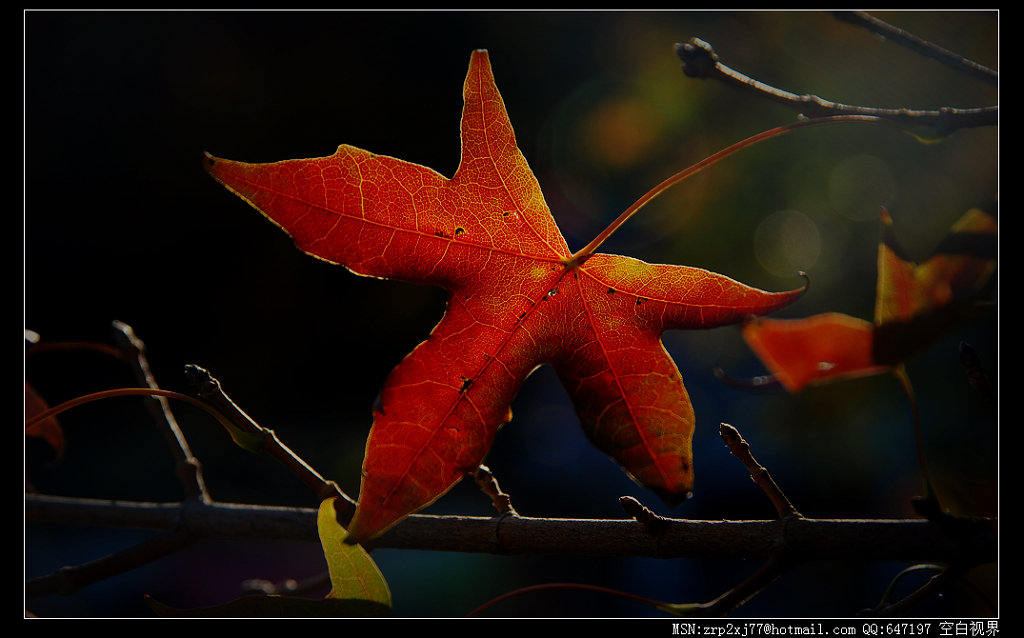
(518, 298)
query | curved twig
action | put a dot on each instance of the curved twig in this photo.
(730, 600)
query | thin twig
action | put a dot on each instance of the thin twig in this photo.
(932, 587)
(700, 61)
(653, 523)
(209, 389)
(131, 350)
(761, 383)
(920, 45)
(730, 600)
(187, 466)
(739, 448)
(489, 485)
(900, 372)
(891, 588)
(38, 347)
(68, 580)
(780, 561)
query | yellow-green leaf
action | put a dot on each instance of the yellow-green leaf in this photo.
(354, 575)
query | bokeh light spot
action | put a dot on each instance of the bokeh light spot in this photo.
(620, 132)
(786, 242)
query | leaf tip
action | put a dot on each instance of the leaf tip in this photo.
(675, 499)
(807, 282)
(209, 161)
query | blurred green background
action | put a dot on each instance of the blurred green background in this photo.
(121, 222)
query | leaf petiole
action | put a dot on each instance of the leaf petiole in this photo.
(583, 254)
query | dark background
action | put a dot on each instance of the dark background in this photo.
(121, 222)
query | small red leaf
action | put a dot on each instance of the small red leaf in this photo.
(819, 348)
(48, 429)
(915, 304)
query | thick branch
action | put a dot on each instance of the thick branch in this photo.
(801, 538)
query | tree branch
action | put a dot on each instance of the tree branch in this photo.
(263, 439)
(189, 470)
(70, 579)
(783, 543)
(928, 49)
(739, 448)
(700, 61)
(803, 538)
